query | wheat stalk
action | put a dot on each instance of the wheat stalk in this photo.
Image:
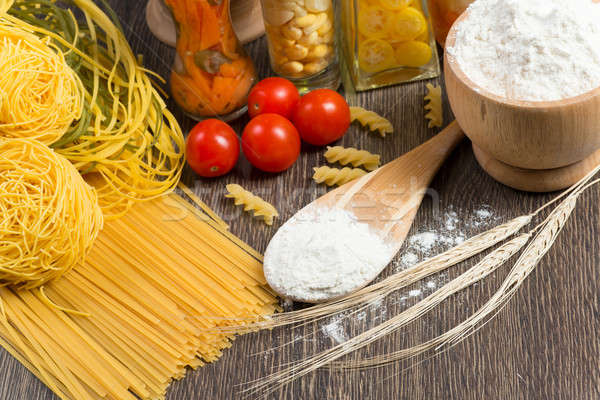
(377, 291)
(545, 233)
(436, 264)
(395, 282)
(539, 246)
(485, 267)
(530, 258)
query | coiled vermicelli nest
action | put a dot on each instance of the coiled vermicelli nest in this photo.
(50, 215)
(40, 95)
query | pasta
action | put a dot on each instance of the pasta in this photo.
(337, 177)
(126, 144)
(436, 113)
(358, 158)
(251, 202)
(50, 216)
(40, 95)
(372, 120)
(161, 285)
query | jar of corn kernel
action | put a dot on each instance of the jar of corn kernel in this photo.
(386, 42)
(301, 38)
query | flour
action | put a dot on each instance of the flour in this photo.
(335, 329)
(322, 254)
(409, 258)
(447, 232)
(534, 50)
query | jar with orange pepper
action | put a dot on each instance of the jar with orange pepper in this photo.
(211, 75)
(388, 42)
(443, 15)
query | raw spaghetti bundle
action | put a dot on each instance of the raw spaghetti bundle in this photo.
(40, 95)
(126, 143)
(50, 216)
(151, 294)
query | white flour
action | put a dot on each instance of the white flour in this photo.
(447, 232)
(535, 50)
(335, 329)
(323, 254)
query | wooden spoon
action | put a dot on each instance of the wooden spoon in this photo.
(386, 199)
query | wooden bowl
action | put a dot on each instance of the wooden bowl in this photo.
(532, 146)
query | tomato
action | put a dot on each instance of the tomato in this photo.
(322, 117)
(375, 55)
(271, 143)
(273, 95)
(212, 148)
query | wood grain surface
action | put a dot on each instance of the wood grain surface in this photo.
(543, 345)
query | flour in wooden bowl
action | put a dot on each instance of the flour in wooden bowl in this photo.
(531, 50)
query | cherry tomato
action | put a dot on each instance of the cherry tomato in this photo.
(273, 95)
(212, 148)
(271, 143)
(322, 117)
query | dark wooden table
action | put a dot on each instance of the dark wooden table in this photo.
(544, 345)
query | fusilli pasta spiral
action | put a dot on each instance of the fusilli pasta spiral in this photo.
(353, 156)
(436, 113)
(251, 202)
(372, 120)
(337, 177)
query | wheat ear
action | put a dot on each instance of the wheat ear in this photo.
(530, 258)
(539, 246)
(395, 282)
(485, 267)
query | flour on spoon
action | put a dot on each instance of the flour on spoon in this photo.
(324, 253)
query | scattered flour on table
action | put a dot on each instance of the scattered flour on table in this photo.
(323, 253)
(409, 258)
(533, 50)
(448, 231)
(335, 329)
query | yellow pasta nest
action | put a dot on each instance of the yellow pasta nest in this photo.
(434, 106)
(50, 216)
(126, 143)
(40, 95)
(251, 202)
(371, 120)
(350, 155)
(337, 177)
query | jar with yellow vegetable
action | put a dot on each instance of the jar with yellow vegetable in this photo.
(386, 42)
(301, 38)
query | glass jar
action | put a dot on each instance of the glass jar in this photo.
(211, 75)
(443, 15)
(301, 39)
(387, 42)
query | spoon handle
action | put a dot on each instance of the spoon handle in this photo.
(396, 190)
